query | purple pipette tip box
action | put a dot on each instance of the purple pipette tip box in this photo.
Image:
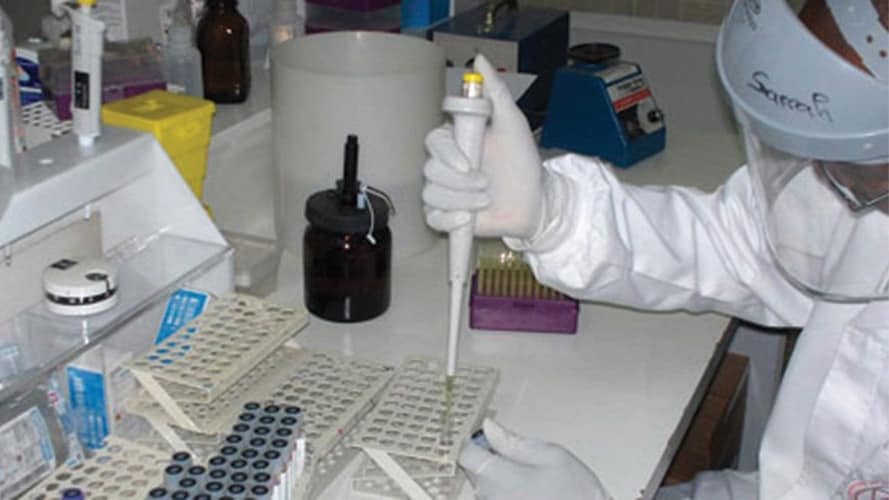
(522, 314)
(357, 5)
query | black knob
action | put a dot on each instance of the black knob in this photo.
(655, 115)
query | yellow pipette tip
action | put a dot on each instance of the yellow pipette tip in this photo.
(473, 77)
(86, 3)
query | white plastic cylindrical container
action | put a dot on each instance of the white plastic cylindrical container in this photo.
(386, 89)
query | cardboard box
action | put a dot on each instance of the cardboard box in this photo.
(714, 437)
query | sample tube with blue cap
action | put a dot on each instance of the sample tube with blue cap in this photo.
(173, 473)
(199, 474)
(260, 492)
(72, 494)
(217, 475)
(236, 491)
(215, 487)
(182, 458)
(158, 493)
(188, 484)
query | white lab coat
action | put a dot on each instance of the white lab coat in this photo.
(664, 248)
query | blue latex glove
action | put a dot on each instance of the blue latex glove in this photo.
(518, 468)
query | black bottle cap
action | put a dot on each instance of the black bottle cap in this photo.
(593, 53)
(325, 210)
(337, 210)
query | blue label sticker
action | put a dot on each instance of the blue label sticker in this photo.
(183, 306)
(88, 404)
(46, 449)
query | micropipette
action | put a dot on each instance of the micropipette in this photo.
(86, 69)
(10, 112)
(470, 112)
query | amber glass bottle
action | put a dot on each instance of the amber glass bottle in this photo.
(347, 249)
(223, 38)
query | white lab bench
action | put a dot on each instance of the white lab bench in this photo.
(622, 391)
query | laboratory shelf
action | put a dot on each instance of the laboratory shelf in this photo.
(37, 341)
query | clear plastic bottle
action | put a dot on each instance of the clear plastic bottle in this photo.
(224, 41)
(182, 62)
(286, 22)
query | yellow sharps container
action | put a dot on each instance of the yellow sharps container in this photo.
(180, 123)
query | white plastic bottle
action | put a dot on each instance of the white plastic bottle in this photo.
(182, 62)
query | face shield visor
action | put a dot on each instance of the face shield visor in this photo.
(816, 133)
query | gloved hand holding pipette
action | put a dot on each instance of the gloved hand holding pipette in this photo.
(459, 158)
(510, 207)
(462, 158)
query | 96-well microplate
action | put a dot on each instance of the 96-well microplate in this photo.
(407, 421)
(212, 352)
(119, 470)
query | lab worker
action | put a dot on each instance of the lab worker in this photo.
(798, 237)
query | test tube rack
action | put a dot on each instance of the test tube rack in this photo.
(407, 421)
(335, 393)
(214, 351)
(435, 479)
(160, 435)
(213, 416)
(430, 476)
(322, 471)
(121, 469)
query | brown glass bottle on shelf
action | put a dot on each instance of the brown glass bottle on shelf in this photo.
(223, 37)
